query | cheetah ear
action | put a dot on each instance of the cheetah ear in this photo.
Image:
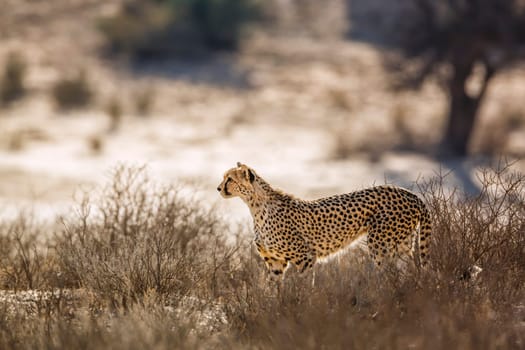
(251, 175)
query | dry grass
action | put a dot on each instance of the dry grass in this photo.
(151, 269)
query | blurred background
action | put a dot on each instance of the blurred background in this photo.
(319, 97)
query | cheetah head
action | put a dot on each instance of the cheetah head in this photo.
(238, 182)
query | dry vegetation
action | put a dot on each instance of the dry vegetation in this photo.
(73, 92)
(142, 266)
(145, 29)
(12, 81)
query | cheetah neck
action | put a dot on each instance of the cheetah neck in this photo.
(263, 197)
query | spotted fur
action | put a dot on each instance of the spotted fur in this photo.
(291, 230)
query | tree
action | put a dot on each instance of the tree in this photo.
(455, 40)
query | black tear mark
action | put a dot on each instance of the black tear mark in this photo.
(226, 187)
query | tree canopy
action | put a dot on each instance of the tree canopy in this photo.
(452, 39)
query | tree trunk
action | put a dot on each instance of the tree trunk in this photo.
(463, 109)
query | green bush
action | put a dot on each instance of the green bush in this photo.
(12, 81)
(219, 21)
(139, 28)
(165, 27)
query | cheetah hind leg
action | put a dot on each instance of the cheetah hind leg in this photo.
(380, 254)
(406, 250)
(416, 246)
(390, 243)
(425, 232)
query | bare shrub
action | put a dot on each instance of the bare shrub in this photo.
(24, 263)
(95, 144)
(493, 136)
(401, 120)
(343, 146)
(144, 100)
(485, 230)
(159, 28)
(15, 141)
(12, 81)
(137, 238)
(114, 110)
(72, 92)
(341, 99)
(346, 144)
(326, 20)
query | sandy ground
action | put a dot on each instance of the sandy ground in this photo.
(45, 175)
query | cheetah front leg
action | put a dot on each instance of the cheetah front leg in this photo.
(273, 265)
(302, 257)
(293, 249)
(276, 266)
(304, 261)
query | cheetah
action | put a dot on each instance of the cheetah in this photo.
(289, 230)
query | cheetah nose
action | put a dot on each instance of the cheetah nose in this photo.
(219, 188)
